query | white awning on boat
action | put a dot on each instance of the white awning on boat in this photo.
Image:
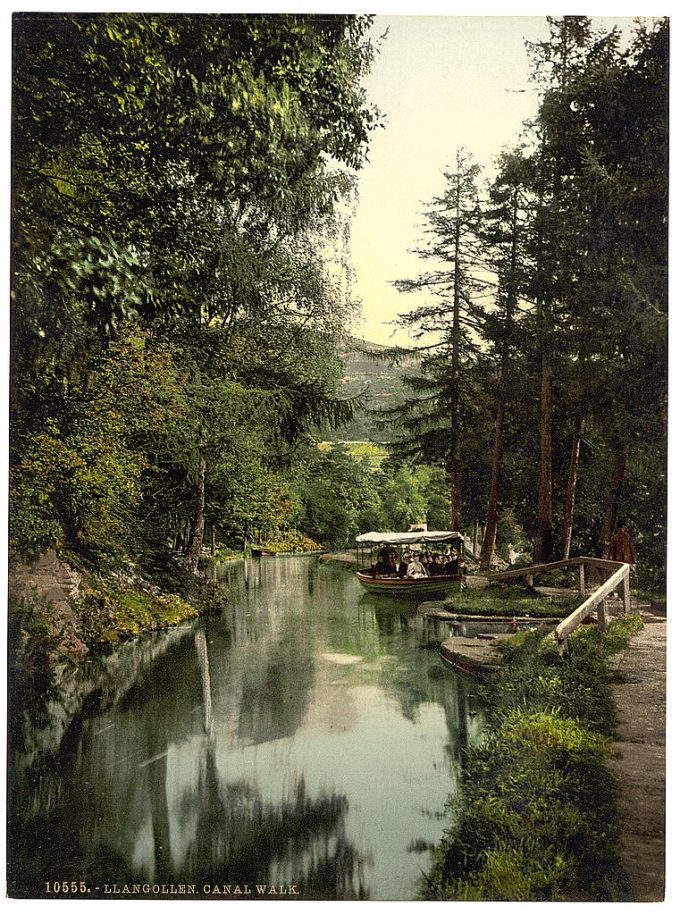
(395, 539)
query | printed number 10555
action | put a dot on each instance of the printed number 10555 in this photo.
(66, 887)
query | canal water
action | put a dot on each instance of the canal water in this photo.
(308, 737)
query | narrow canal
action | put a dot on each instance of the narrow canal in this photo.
(308, 736)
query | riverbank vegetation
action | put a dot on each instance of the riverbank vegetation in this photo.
(535, 819)
(180, 280)
(511, 600)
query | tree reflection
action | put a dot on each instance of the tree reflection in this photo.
(239, 838)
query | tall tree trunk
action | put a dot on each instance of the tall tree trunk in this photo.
(570, 494)
(213, 540)
(611, 511)
(544, 516)
(198, 522)
(492, 508)
(493, 502)
(455, 474)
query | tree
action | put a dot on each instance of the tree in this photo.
(170, 174)
(502, 233)
(557, 61)
(433, 421)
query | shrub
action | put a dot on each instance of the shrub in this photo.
(535, 819)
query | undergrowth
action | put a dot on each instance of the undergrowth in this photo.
(535, 818)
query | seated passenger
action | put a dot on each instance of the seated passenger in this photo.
(386, 564)
(436, 566)
(403, 565)
(416, 569)
(452, 564)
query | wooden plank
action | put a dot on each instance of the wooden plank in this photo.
(602, 615)
(574, 619)
(607, 564)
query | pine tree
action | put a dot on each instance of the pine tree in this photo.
(433, 422)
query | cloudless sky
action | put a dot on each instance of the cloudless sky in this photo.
(441, 82)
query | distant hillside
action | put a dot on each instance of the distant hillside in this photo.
(379, 380)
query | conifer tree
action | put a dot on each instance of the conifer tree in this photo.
(433, 421)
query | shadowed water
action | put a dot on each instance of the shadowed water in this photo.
(308, 736)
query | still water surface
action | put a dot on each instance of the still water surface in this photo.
(310, 735)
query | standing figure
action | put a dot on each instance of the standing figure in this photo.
(621, 547)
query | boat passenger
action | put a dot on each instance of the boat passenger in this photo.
(436, 566)
(403, 565)
(416, 569)
(452, 564)
(386, 564)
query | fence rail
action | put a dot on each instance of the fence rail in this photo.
(619, 578)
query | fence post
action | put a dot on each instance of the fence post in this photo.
(530, 581)
(582, 580)
(602, 615)
(626, 594)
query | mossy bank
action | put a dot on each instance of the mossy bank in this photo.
(61, 612)
(534, 819)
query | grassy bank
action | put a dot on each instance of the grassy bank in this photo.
(109, 612)
(535, 819)
(511, 600)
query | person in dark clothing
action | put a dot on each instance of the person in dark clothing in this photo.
(452, 564)
(436, 566)
(621, 547)
(386, 564)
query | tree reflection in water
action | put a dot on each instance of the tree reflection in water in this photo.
(305, 736)
(238, 838)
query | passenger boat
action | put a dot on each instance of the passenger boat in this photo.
(418, 541)
(261, 551)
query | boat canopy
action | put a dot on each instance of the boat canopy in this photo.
(395, 539)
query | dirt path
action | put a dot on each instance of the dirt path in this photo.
(640, 758)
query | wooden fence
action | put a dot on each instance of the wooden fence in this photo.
(619, 578)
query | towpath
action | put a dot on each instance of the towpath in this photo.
(639, 761)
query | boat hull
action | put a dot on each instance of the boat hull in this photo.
(410, 587)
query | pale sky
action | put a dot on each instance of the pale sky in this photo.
(441, 82)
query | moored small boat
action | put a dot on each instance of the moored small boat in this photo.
(406, 587)
(375, 580)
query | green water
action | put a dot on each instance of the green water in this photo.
(309, 736)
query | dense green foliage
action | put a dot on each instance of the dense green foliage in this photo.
(343, 493)
(180, 292)
(534, 820)
(179, 283)
(541, 313)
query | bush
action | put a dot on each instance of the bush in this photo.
(535, 819)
